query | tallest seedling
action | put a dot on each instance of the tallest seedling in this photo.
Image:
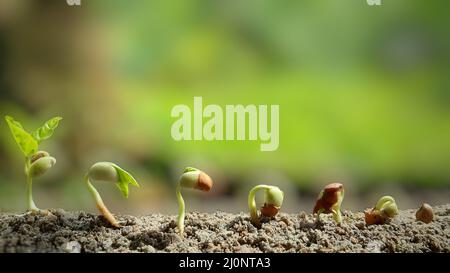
(36, 162)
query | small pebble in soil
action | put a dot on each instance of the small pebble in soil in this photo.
(72, 247)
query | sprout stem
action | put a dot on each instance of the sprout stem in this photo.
(384, 202)
(30, 203)
(252, 203)
(181, 210)
(99, 202)
(337, 208)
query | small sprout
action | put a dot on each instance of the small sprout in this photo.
(425, 213)
(385, 209)
(108, 172)
(36, 162)
(191, 178)
(273, 200)
(330, 200)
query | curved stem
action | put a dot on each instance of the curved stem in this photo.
(252, 203)
(383, 202)
(387, 206)
(99, 202)
(181, 210)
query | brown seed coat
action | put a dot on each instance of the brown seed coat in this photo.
(204, 182)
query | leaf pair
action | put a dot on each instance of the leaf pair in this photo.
(124, 179)
(29, 143)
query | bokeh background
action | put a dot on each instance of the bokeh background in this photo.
(364, 95)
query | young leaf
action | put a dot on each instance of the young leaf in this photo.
(189, 169)
(27, 144)
(46, 130)
(123, 187)
(124, 179)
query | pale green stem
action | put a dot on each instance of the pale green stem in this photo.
(383, 202)
(93, 191)
(337, 216)
(181, 210)
(100, 205)
(387, 206)
(30, 203)
(252, 202)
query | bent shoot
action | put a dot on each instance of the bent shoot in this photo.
(108, 172)
(191, 178)
(384, 210)
(273, 200)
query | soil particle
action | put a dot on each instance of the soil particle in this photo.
(72, 247)
(74, 232)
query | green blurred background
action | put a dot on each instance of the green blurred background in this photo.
(364, 95)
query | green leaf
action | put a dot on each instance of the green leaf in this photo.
(46, 130)
(27, 144)
(123, 187)
(125, 178)
(190, 169)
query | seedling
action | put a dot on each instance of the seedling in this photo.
(385, 209)
(191, 178)
(425, 213)
(36, 162)
(330, 200)
(108, 172)
(273, 200)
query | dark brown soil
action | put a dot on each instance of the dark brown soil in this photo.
(62, 231)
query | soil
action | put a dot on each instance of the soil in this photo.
(61, 231)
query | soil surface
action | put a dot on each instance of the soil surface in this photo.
(62, 231)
